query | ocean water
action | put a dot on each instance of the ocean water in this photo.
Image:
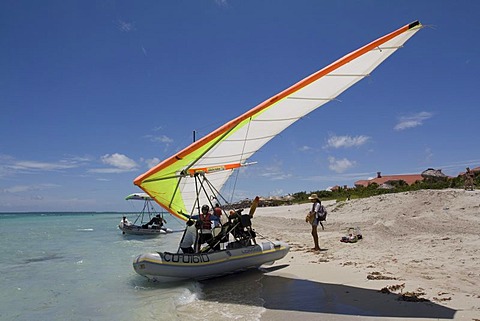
(78, 266)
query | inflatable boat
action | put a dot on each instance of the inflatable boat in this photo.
(168, 267)
(148, 222)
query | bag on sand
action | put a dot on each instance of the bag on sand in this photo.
(353, 235)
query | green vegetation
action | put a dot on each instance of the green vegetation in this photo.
(395, 187)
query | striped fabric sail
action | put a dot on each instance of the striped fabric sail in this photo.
(171, 183)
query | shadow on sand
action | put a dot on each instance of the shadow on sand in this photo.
(283, 293)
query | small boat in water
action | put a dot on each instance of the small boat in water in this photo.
(148, 222)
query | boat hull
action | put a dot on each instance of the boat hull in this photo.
(138, 230)
(168, 267)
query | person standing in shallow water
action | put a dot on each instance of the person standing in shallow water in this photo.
(315, 212)
(189, 238)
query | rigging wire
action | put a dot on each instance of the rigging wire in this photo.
(268, 240)
(241, 154)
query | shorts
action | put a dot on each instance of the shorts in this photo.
(205, 238)
(315, 222)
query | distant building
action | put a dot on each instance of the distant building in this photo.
(337, 188)
(408, 178)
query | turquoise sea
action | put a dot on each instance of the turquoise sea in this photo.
(78, 266)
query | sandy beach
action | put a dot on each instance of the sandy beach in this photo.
(418, 259)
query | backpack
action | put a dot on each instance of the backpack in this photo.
(322, 213)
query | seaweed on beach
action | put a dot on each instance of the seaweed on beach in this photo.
(379, 276)
(413, 297)
(393, 288)
(441, 297)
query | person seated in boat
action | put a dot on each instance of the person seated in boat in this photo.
(189, 238)
(159, 221)
(156, 222)
(217, 214)
(205, 225)
(232, 215)
(233, 218)
(125, 221)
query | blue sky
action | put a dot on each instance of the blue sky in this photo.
(93, 93)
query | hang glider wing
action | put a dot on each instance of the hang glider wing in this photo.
(171, 183)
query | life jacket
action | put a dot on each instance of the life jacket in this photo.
(206, 221)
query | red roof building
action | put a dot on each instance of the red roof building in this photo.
(408, 178)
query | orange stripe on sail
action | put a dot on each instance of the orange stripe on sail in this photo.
(212, 169)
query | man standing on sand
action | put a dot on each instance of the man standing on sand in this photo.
(469, 177)
(315, 212)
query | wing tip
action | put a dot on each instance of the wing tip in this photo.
(414, 24)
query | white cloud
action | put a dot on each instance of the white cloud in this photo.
(42, 166)
(276, 175)
(275, 171)
(276, 192)
(18, 189)
(160, 139)
(281, 177)
(222, 3)
(336, 177)
(119, 162)
(10, 166)
(340, 165)
(412, 121)
(346, 141)
(110, 170)
(28, 188)
(428, 155)
(125, 26)
(305, 148)
(152, 162)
